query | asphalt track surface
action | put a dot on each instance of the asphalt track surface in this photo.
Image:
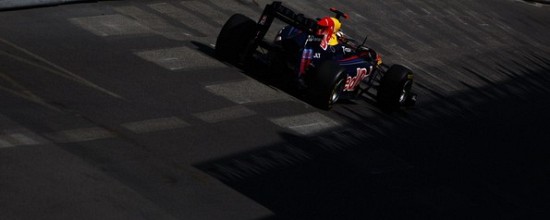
(118, 110)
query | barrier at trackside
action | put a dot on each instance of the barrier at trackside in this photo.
(13, 4)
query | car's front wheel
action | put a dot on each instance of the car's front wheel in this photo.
(395, 88)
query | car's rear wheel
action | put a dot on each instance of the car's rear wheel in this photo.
(235, 40)
(325, 84)
(395, 88)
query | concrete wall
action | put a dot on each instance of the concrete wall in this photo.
(11, 4)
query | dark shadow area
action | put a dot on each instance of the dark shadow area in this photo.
(259, 72)
(539, 1)
(206, 49)
(480, 154)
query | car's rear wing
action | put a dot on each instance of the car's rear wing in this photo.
(277, 10)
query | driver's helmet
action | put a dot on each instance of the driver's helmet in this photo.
(329, 26)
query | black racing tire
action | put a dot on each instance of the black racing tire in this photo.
(326, 84)
(395, 88)
(234, 43)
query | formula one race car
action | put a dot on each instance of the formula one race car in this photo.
(327, 65)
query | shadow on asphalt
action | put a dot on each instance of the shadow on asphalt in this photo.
(257, 71)
(480, 154)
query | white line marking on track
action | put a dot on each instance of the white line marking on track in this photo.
(22, 139)
(152, 125)
(19, 90)
(205, 9)
(79, 135)
(225, 114)
(16, 139)
(179, 58)
(55, 69)
(155, 23)
(110, 25)
(184, 17)
(306, 124)
(4, 144)
(247, 91)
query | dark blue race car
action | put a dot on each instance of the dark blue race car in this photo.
(326, 64)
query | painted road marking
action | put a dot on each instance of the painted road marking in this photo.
(155, 23)
(225, 114)
(185, 18)
(4, 144)
(236, 8)
(53, 68)
(206, 10)
(79, 135)
(178, 58)
(153, 125)
(22, 92)
(110, 25)
(17, 139)
(307, 124)
(247, 91)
